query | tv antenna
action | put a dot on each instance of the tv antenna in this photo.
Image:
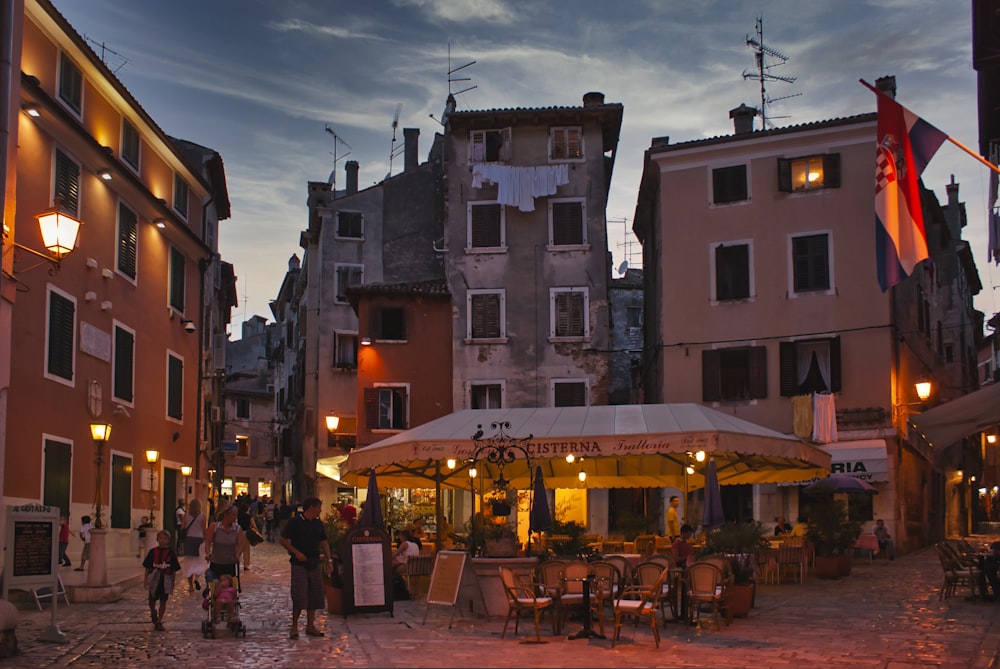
(450, 105)
(767, 59)
(104, 51)
(333, 173)
(394, 150)
(628, 243)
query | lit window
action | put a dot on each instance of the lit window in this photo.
(809, 173)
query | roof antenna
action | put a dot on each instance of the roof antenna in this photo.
(394, 150)
(333, 173)
(763, 73)
(450, 104)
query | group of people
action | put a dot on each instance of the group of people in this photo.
(64, 534)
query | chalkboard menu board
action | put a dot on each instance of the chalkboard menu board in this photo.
(32, 548)
(367, 571)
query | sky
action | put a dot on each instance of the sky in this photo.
(260, 82)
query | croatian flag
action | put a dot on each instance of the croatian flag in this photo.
(906, 144)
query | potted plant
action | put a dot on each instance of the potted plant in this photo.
(832, 533)
(499, 538)
(739, 542)
(502, 501)
(333, 584)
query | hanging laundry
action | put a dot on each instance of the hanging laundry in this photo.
(802, 416)
(824, 418)
(518, 186)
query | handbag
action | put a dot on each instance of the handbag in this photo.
(254, 536)
(183, 532)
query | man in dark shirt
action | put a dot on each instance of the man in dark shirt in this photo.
(304, 537)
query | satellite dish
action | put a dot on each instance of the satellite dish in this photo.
(623, 267)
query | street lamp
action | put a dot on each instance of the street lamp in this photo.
(501, 449)
(689, 470)
(100, 433)
(332, 422)
(152, 456)
(186, 472)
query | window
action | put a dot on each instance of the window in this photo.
(67, 185)
(566, 143)
(487, 314)
(734, 374)
(59, 348)
(567, 222)
(569, 308)
(128, 240)
(347, 276)
(178, 267)
(489, 146)
(633, 317)
(388, 323)
(175, 387)
(386, 407)
(70, 84)
(569, 393)
(242, 446)
(130, 145)
(732, 271)
(242, 407)
(349, 224)
(124, 365)
(809, 173)
(345, 350)
(486, 395)
(180, 196)
(729, 184)
(486, 225)
(811, 263)
(810, 366)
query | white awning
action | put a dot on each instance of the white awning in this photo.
(948, 423)
(864, 459)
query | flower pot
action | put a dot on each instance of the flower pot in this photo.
(502, 547)
(844, 566)
(741, 599)
(334, 598)
(827, 567)
(500, 508)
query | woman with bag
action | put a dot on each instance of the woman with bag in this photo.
(193, 532)
(249, 527)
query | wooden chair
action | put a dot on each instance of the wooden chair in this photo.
(645, 544)
(956, 573)
(664, 546)
(638, 601)
(646, 574)
(548, 574)
(417, 567)
(705, 587)
(767, 564)
(522, 597)
(612, 546)
(791, 557)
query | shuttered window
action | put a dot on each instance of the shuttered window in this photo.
(130, 145)
(178, 268)
(70, 84)
(729, 184)
(124, 363)
(385, 408)
(62, 331)
(180, 196)
(732, 272)
(811, 263)
(127, 241)
(567, 223)
(486, 225)
(489, 146)
(569, 394)
(486, 315)
(803, 363)
(67, 185)
(569, 313)
(175, 387)
(347, 276)
(350, 224)
(388, 323)
(734, 374)
(809, 173)
(566, 143)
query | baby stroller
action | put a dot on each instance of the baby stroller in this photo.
(230, 619)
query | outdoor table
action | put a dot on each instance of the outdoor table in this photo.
(867, 542)
(586, 632)
(678, 593)
(633, 558)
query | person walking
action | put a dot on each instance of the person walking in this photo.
(64, 560)
(85, 529)
(195, 525)
(245, 518)
(673, 523)
(224, 540)
(161, 564)
(304, 537)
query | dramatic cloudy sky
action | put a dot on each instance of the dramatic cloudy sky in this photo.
(260, 80)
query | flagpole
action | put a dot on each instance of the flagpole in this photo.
(949, 137)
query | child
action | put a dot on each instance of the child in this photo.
(161, 564)
(64, 542)
(225, 598)
(85, 536)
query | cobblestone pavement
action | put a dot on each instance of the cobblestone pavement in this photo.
(884, 615)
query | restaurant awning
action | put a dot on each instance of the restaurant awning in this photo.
(624, 446)
(863, 459)
(950, 422)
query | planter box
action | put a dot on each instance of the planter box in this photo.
(844, 567)
(827, 567)
(741, 600)
(503, 547)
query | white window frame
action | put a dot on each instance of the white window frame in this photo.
(338, 291)
(126, 160)
(181, 204)
(574, 380)
(561, 134)
(469, 298)
(340, 337)
(584, 245)
(336, 226)
(832, 289)
(711, 183)
(469, 248)
(478, 138)
(409, 401)
(553, 293)
(69, 104)
(471, 386)
(76, 336)
(713, 285)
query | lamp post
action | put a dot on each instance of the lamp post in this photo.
(97, 574)
(472, 515)
(152, 456)
(689, 470)
(100, 433)
(186, 472)
(500, 450)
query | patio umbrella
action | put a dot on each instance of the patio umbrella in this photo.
(371, 515)
(835, 483)
(540, 518)
(713, 515)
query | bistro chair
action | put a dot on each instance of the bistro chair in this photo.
(607, 583)
(790, 556)
(645, 544)
(524, 597)
(639, 601)
(417, 567)
(624, 567)
(705, 588)
(571, 596)
(548, 574)
(646, 574)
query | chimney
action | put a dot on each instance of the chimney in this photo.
(351, 167)
(294, 263)
(410, 158)
(593, 99)
(952, 190)
(887, 85)
(743, 118)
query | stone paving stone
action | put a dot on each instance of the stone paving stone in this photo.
(884, 615)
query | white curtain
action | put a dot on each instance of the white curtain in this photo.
(805, 353)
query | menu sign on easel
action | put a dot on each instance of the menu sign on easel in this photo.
(367, 571)
(32, 552)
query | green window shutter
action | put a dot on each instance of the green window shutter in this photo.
(835, 370)
(62, 325)
(127, 241)
(788, 369)
(67, 186)
(758, 372)
(567, 223)
(784, 175)
(485, 225)
(711, 381)
(177, 268)
(831, 170)
(175, 387)
(124, 356)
